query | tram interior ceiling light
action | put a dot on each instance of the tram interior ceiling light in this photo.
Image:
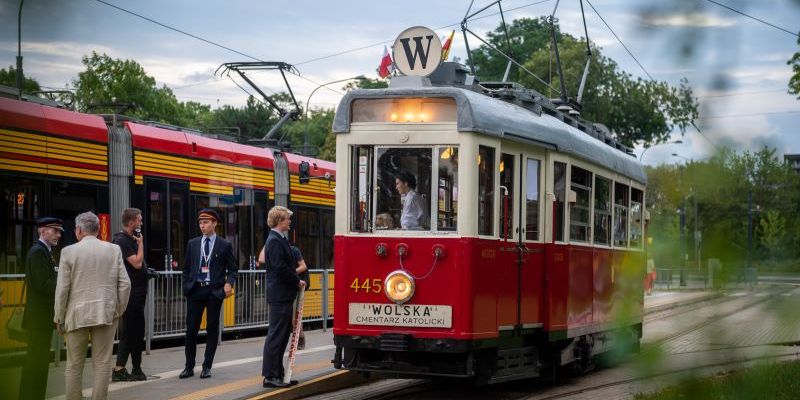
(399, 287)
(447, 153)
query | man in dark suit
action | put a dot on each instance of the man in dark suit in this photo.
(209, 274)
(282, 286)
(40, 281)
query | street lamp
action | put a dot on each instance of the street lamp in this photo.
(305, 139)
(20, 76)
(641, 156)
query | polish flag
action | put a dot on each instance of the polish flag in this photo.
(446, 46)
(386, 67)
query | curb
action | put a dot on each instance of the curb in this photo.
(322, 384)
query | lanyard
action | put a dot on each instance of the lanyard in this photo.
(206, 257)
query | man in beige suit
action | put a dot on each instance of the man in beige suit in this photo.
(91, 294)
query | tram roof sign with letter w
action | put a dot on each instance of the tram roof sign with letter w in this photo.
(417, 51)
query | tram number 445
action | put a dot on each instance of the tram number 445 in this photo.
(367, 285)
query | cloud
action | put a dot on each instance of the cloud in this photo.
(71, 50)
(693, 20)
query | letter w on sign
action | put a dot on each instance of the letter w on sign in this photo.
(418, 51)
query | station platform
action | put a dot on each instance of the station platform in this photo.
(236, 373)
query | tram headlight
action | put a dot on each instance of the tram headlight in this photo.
(399, 287)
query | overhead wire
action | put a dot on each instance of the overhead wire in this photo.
(620, 40)
(163, 25)
(754, 18)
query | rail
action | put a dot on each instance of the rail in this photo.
(165, 310)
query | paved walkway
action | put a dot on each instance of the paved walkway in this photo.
(237, 367)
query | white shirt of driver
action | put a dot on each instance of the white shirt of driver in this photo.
(413, 211)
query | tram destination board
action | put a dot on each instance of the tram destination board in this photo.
(416, 315)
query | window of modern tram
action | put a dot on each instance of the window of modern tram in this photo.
(22, 204)
(532, 200)
(620, 228)
(447, 204)
(559, 191)
(580, 229)
(637, 198)
(486, 190)
(602, 211)
(403, 192)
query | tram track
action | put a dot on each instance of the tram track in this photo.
(716, 317)
(425, 388)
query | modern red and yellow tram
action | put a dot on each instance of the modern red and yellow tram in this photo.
(58, 162)
(525, 253)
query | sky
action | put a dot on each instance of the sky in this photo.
(735, 65)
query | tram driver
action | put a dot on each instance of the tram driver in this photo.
(413, 209)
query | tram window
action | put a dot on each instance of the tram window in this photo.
(559, 190)
(403, 193)
(328, 228)
(636, 218)
(532, 201)
(602, 211)
(579, 211)
(620, 215)
(156, 226)
(306, 229)
(260, 209)
(507, 196)
(413, 110)
(244, 217)
(485, 190)
(447, 215)
(178, 195)
(22, 204)
(361, 188)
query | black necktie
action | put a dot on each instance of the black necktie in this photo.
(52, 259)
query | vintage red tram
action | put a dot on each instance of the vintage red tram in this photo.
(518, 249)
(54, 161)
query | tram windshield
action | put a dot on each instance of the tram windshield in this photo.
(415, 189)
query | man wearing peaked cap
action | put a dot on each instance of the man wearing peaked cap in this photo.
(40, 283)
(209, 274)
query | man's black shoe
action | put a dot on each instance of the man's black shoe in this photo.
(120, 375)
(274, 383)
(206, 373)
(138, 375)
(187, 372)
(292, 382)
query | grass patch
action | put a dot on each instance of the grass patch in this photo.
(772, 381)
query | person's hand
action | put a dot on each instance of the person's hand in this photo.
(302, 285)
(139, 240)
(228, 290)
(59, 328)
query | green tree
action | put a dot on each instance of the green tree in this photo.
(637, 110)
(794, 82)
(8, 77)
(107, 81)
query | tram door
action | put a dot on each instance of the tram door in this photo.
(165, 223)
(531, 244)
(509, 274)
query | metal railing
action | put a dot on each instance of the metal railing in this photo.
(165, 311)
